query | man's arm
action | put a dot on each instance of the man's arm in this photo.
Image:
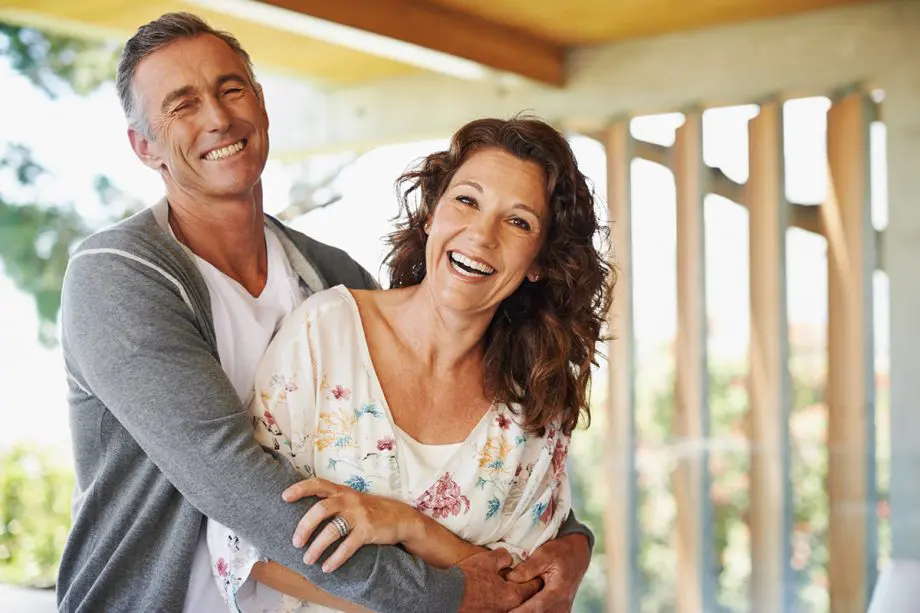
(571, 525)
(131, 340)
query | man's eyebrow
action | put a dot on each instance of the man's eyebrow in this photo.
(188, 90)
(232, 77)
(174, 95)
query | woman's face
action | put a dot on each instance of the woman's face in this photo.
(486, 232)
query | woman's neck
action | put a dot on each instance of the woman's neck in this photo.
(443, 341)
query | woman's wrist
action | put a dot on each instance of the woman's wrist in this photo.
(418, 529)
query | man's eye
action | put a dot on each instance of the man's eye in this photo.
(233, 90)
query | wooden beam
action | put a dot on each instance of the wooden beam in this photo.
(850, 380)
(694, 536)
(438, 28)
(620, 529)
(653, 152)
(880, 250)
(717, 181)
(770, 511)
(806, 217)
(721, 185)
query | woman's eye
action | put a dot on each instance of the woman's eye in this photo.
(233, 90)
(466, 200)
(521, 223)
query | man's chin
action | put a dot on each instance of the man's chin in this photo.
(233, 188)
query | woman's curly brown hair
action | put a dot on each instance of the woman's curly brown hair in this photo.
(541, 343)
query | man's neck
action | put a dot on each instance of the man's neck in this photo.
(231, 237)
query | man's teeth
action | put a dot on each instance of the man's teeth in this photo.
(459, 258)
(224, 152)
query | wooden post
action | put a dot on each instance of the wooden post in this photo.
(694, 535)
(622, 539)
(770, 512)
(850, 381)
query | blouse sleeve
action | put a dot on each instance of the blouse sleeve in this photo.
(545, 497)
(282, 418)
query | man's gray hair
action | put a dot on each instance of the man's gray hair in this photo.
(154, 36)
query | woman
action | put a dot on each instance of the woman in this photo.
(437, 414)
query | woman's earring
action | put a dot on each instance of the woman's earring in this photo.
(534, 278)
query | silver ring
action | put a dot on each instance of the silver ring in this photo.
(341, 525)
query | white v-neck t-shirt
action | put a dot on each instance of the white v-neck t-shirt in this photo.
(244, 326)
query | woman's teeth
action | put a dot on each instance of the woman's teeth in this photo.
(225, 152)
(469, 267)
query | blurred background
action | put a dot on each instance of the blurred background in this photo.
(755, 435)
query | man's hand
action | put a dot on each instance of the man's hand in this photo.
(486, 590)
(561, 563)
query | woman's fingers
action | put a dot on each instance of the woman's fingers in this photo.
(313, 518)
(326, 537)
(310, 487)
(344, 551)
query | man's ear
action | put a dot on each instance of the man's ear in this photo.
(144, 149)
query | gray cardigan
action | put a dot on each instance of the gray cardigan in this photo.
(160, 436)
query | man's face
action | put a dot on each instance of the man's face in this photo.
(208, 127)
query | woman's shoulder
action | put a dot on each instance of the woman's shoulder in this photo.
(333, 303)
(510, 418)
(333, 308)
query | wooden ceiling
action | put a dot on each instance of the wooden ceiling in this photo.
(528, 38)
(587, 22)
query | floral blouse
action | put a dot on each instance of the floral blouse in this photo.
(319, 402)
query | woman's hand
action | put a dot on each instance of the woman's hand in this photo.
(371, 520)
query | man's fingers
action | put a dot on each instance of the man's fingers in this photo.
(531, 588)
(521, 593)
(313, 518)
(527, 570)
(540, 602)
(344, 551)
(326, 537)
(309, 487)
(501, 558)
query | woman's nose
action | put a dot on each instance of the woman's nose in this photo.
(485, 230)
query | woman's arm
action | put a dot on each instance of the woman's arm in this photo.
(371, 519)
(436, 544)
(285, 580)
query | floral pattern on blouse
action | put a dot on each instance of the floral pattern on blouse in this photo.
(319, 403)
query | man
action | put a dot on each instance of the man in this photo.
(165, 317)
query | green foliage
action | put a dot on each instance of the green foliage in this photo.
(56, 63)
(35, 240)
(35, 495)
(35, 236)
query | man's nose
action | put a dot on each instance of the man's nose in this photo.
(218, 119)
